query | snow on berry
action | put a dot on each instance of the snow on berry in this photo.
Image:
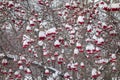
(57, 44)
(80, 20)
(42, 35)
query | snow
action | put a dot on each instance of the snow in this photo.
(78, 44)
(56, 3)
(72, 42)
(113, 32)
(36, 29)
(90, 47)
(51, 31)
(68, 27)
(89, 27)
(102, 61)
(42, 34)
(67, 4)
(2, 54)
(76, 64)
(57, 42)
(26, 37)
(19, 62)
(97, 48)
(40, 43)
(22, 58)
(95, 37)
(66, 74)
(45, 53)
(17, 5)
(52, 58)
(60, 57)
(10, 70)
(1, 6)
(60, 38)
(56, 74)
(113, 68)
(82, 64)
(25, 42)
(94, 0)
(31, 22)
(73, 66)
(21, 67)
(76, 51)
(100, 40)
(114, 5)
(94, 72)
(28, 77)
(4, 61)
(47, 71)
(28, 28)
(74, 4)
(103, 5)
(88, 40)
(50, 78)
(113, 56)
(80, 19)
(11, 2)
(62, 51)
(17, 72)
(28, 70)
(73, 31)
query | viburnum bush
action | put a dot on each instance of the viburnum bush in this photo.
(59, 39)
